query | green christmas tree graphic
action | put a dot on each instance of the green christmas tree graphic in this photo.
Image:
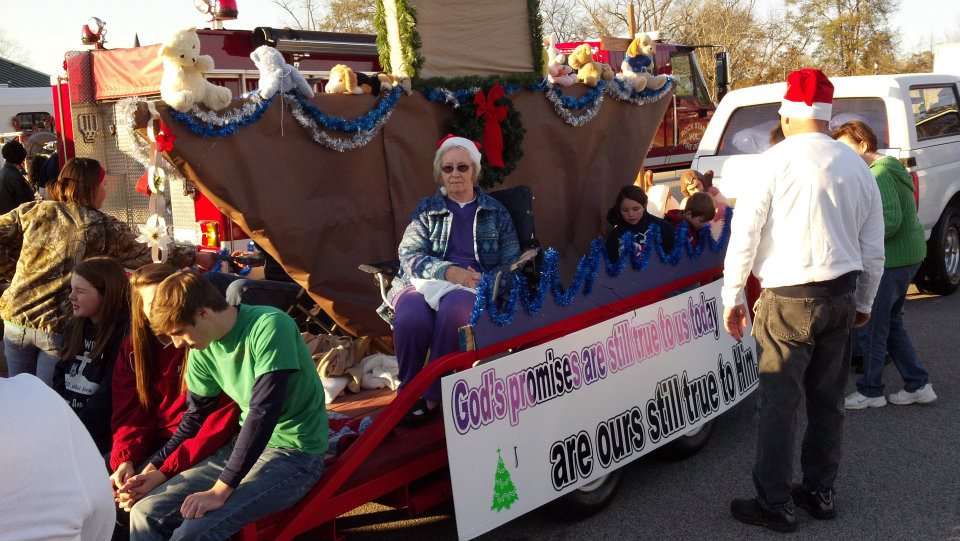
(504, 491)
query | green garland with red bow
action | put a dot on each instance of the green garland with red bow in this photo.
(492, 119)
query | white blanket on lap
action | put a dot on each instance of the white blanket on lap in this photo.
(433, 290)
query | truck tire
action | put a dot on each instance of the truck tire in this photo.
(688, 444)
(588, 499)
(940, 272)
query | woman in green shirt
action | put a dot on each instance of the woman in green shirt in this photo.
(904, 248)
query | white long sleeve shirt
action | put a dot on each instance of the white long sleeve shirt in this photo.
(54, 485)
(812, 213)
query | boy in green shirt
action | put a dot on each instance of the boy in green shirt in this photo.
(255, 355)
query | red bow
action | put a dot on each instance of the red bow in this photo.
(165, 139)
(495, 114)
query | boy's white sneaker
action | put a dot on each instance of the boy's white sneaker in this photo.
(923, 395)
(856, 401)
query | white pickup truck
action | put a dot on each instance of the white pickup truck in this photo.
(917, 120)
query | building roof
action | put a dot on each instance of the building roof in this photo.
(16, 75)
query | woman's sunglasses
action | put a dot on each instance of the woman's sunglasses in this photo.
(463, 168)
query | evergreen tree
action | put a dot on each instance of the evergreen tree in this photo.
(504, 491)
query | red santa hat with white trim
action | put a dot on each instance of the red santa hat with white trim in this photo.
(809, 95)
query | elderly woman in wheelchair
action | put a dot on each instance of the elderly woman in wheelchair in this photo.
(453, 236)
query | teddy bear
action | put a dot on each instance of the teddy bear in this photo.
(638, 63)
(555, 69)
(276, 75)
(342, 81)
(183, 84)
(692, 181)
(589, 72)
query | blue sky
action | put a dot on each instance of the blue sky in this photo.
(46, 29)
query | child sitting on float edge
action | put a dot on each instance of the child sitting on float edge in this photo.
(255, 355)
(698, 211)
(628, 214)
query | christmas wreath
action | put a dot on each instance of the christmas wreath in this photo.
(467, 122)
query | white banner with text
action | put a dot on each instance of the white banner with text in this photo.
(529, 427)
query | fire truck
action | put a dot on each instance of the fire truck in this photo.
(96, 82)
(679, 134)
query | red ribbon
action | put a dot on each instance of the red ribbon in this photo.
(493, 116)
(165, 139)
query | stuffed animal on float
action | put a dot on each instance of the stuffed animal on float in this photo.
(637, 65)
(555, 68)
(606, 72)
(276, 75)
(369, 84)
(693, 181)
(388, 82)
(183, 84)
(589, 72)
(342, 81)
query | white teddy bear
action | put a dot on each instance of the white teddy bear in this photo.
(276, 75)
(183, 84)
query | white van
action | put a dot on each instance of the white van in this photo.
(917, 120)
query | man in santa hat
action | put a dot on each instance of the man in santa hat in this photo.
(811, 230)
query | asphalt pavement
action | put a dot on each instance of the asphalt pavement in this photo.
(899, 480)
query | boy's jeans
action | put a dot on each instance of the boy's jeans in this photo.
(279, 479)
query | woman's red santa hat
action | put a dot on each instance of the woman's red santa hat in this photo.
(809, 95)
(452, 141)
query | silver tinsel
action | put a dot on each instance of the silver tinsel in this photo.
(588, 114)
(628, 95)
(233, 116)
(340, 144)
(126, 127)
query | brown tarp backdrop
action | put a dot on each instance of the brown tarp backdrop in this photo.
(321, 212)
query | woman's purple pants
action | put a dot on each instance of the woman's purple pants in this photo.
(417, 328)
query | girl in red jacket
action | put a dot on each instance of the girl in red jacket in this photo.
(149, 397)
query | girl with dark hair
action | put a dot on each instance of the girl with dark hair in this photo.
(41, 242)
(149, 398)
(99, 298)
(628, 214)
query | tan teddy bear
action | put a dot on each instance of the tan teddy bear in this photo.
(183, 84)
(637, 66)
(588, 71)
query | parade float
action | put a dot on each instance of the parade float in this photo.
(568, 371)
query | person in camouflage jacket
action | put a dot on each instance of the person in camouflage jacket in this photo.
(41, 242)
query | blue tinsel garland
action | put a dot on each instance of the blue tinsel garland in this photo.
(385, 106)
(207, 130)
(583, 101)
(588, 269)
(236, 120)
(621, 91)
